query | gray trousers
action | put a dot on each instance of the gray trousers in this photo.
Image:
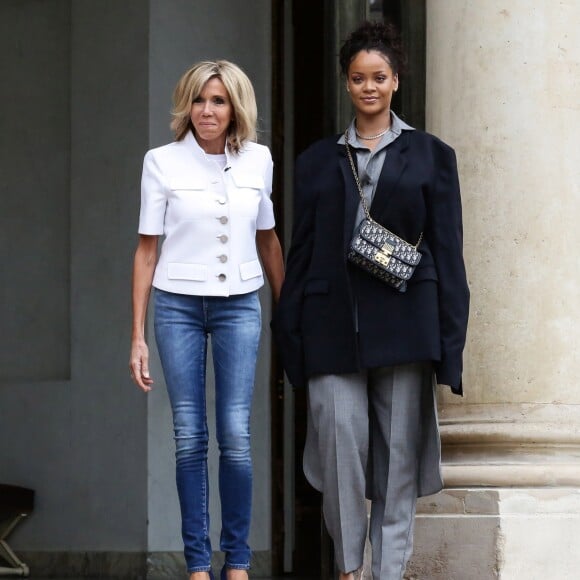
(366, 437)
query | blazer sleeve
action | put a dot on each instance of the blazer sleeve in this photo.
(287, 320)
(444, 232)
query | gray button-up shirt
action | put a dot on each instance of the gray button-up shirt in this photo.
(370, 162)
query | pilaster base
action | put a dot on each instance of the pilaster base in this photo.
(490, 533)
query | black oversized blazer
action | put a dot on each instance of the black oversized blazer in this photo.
(324, 298)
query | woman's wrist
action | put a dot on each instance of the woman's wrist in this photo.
(138, 336)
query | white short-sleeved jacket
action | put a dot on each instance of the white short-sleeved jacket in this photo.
(209, 216)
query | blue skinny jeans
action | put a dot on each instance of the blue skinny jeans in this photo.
(182, 326)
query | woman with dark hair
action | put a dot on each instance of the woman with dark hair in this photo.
(371, 349)
(208, 192)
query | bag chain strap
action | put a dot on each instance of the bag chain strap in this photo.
(360, 191)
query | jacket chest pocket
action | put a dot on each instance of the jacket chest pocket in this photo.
(245, 198)
(190, 199)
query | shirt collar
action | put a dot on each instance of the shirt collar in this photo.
(397, 127)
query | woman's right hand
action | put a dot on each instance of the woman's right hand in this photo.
(139, 364)
(143, 268)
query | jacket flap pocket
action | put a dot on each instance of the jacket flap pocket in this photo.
(426, 273)
(316, 287)
(248, 180)
(250, 270)
(188, 183)
(180, 271)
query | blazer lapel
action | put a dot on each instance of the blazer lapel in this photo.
(351, 195)
(393, 167)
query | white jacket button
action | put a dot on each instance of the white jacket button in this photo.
(223, 238)
(223, 258)
(223, 220)
(222, 277)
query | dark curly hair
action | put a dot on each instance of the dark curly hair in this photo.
(379, 36)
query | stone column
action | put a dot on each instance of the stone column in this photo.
(503, 88)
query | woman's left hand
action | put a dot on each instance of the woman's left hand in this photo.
(270, 252)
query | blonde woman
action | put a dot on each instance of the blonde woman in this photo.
(208, 193)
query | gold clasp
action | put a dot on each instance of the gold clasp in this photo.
(388, 249)
(384, 255)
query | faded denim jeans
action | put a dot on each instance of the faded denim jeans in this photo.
(182, 326)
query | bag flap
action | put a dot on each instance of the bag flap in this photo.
(388, 242)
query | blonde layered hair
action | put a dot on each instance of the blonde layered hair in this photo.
(240, 91)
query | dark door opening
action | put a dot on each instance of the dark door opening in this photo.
(299, 25)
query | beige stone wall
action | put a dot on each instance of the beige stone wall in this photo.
(503, 88)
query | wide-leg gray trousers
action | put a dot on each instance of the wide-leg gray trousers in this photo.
(374, 435)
